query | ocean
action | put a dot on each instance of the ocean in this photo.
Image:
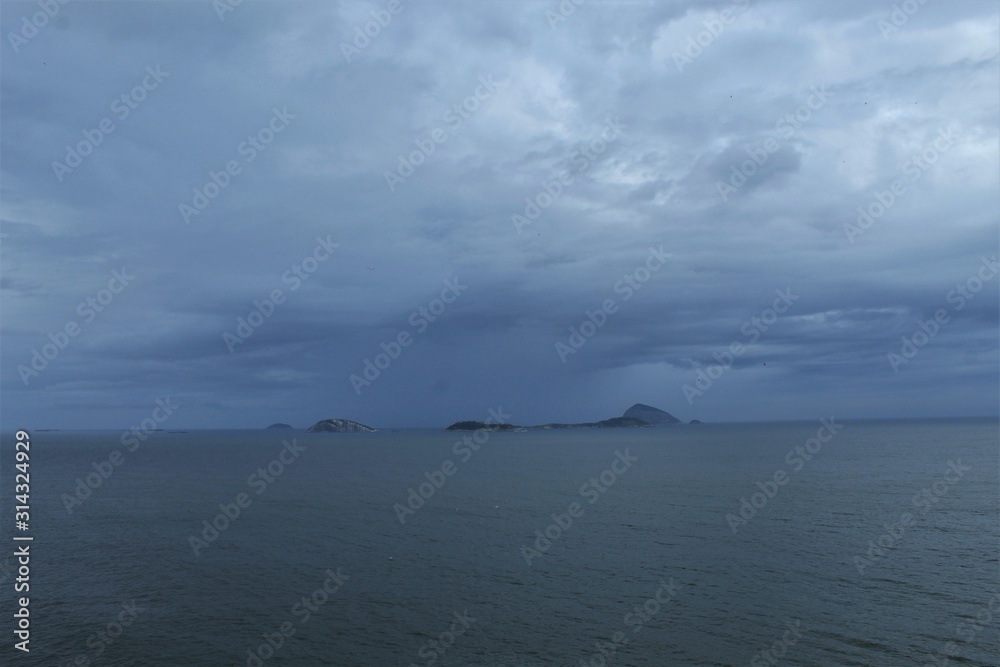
(809, 543)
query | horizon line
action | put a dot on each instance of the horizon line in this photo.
(443, 428)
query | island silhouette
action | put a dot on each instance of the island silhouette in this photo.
(638, 416)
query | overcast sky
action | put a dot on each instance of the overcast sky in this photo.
(716, 154)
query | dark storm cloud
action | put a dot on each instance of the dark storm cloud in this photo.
(417, 151)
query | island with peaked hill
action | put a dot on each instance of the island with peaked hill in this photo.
(637, 416)
(647, 413)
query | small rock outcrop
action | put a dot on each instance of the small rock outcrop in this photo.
(480, 426)
(650, 414)
(279, 425)
(339, 426)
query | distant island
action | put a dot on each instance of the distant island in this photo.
(339, 426)
(614, 422)
(648, 413)
(637, 416)
(476, 426)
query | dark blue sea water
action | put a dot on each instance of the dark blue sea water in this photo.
(882, 547)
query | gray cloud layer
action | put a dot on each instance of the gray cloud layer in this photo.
(549, 151)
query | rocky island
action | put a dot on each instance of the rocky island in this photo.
(339, 426)
(280, 426)
(637, 416)
(648, 413)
